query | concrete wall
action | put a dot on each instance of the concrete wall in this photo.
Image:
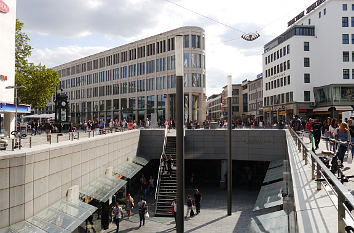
(32, 179)
(253, 145)
(150, 143)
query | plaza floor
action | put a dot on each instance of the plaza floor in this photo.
(213, 217)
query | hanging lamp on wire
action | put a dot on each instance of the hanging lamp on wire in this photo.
(250, 36)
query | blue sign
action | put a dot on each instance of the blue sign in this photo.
(260, 75)
(4, 107)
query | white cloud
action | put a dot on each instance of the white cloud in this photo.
(59, 55)
(130, 20)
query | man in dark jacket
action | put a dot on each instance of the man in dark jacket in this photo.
(316, 127)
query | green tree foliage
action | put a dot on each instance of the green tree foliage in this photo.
(39, 81)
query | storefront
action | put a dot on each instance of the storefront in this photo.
(7, 63)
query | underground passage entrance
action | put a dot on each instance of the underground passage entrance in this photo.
(246, 174)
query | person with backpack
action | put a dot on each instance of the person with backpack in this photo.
(143, 208)
(118, 215)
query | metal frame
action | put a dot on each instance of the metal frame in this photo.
(345, 198)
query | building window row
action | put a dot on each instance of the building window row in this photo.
(345, 21)
(345, 7)
(280, 82)
(132, 54)
(278, 68)
(346, 73)
(345, 38)
(279, 99)
(278, 54)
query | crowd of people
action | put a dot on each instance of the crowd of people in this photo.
(338, 135)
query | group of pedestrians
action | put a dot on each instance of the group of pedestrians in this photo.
(192, 204)
(338, 135)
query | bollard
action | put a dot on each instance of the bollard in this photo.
(13, 144)
(78, 135)
(72, 136)
(57, 138)
(19, 144)
(69, 136)
(318, 177)
(89, 134)
(93, 133)
(30, 142)
(50, 139)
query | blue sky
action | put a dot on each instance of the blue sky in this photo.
(65, 30)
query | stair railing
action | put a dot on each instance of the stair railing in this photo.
(161, 165)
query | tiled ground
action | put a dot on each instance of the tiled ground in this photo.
(212, 218)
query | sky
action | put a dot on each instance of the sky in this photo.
(65, 30)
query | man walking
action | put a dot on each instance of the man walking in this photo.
(316, 127)
(118, 215)
(197, 199)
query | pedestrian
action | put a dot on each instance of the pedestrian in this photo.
(164, 160)
(326, 132)
(145, 188)
(169, 165)
(342, 135)
(174, 209)
(143, 208)
(332, 130)
(118, 215)
(151, 185)
(317, 131)
(129, 204)
(48, 128)
(197, 200)
(111, 124)
(351, 131)
(189, 206)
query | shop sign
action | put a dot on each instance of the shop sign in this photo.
(303, 111)
(308, 10)
(3, 77)
(3, 7)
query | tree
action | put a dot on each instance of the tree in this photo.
(39, 81)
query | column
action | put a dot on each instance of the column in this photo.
(167, 108)
(201, 108)
(190, 106)
(223, 164)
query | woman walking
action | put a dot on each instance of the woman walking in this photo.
(129, 204)
(143, 208)
(342, 136)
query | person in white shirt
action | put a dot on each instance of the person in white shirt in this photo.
(143, 208)
(118, 215)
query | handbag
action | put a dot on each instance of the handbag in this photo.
(192, 213)
(147, 215)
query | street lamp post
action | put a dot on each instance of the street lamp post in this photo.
(179, 134)
(16, 100)
(229, 156)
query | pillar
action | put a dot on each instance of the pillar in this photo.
(223, 174)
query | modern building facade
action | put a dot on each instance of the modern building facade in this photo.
(255, 98)
(137, 80)
(236, 102)
(214, 111)
(309, 69)
(7, 65)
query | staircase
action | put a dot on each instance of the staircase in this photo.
(167, 186)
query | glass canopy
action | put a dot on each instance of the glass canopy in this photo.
(141, 161)
(127, 170)
(103, 188)
(270, 196)
(274, 174)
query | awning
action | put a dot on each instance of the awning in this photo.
(103, 188)
(343, 108)
(269, 196)
(321, 109)
(274, 174)
(275, 163)
(272, 222)
(64, 216)
(141, 161)
(127, 169)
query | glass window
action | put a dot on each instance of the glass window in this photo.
(352, 21)
(324, 11)
(345, 56)
(352, 73)
(352, 7)
(306, 46)
(306, 95)
(345, 7)
(186, 60)
(345, 22)
(352, 38)
(345, 73)
(319, 14)
(345, 38)
(289, 80)
(306, 62)
(352, 56)
(194, 41)
(186, 41)
(306, 78)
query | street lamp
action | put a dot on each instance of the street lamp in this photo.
(229, 156)
(16, 99)
(179, 133)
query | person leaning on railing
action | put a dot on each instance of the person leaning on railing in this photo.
(342, 135)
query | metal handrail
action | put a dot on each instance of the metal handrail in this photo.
(345, 198)
(161, 163)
